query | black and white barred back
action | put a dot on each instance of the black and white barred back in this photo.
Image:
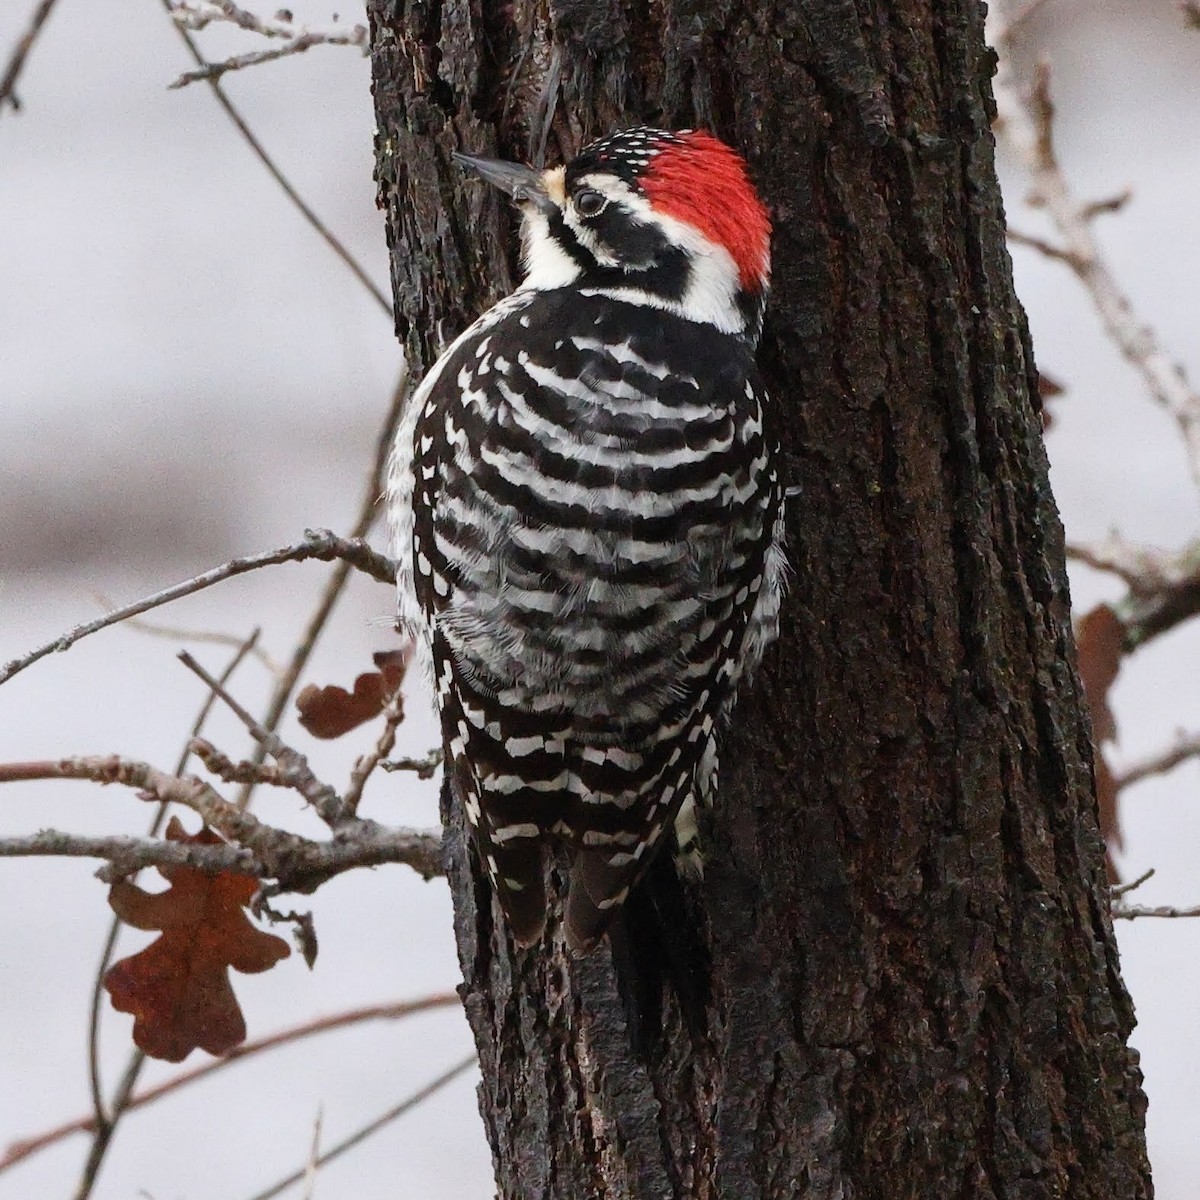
(588, 521)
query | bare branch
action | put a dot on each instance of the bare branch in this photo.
(1123, 889)
(321, 544)
(314, 1150)
(17, 1151)
(1131, 912)
(424, 768)
(223, 767)
(1164, 587)
(196, 14)
(1049, 249)
(374, 1126)
(1145, 569)
(1110, 204)
(296, 863)
(128, 854)
(1185, 748)
(1148, 613)
(1022, 15)
(173, 633)
(16, 61)
(289, 190)
(1027, 124)
(106, 1120)
(393, 714)
(294, 771)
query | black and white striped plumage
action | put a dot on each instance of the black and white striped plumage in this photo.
(587, 517)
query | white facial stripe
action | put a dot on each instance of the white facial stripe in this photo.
(714, 282)
(547, 264)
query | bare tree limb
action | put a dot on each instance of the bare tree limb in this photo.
(1185, 748)
(393, 714)
(1146, 614)
(1164, 586)
(296, 863)
(286, 185)
(197, 14)
(314, 1150)
(294, 771)
(1123, 889)
(1041, 245)
(177, 634)
(380, 1122)
(321, 544)
(107, 1120)
(1144, 569)
(1028, 127)
(223, 767)
(1131, 912)
(423, 768)
(20, 1150)
(16, 61)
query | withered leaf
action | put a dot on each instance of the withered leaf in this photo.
(329, 712)
(1048, 389)
(1100, 637)
(178, 987)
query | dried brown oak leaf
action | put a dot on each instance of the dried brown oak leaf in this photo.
(328, 712)
(1100, 637)
(178, 988)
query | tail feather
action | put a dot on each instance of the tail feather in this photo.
(518, 873)
(597, 890)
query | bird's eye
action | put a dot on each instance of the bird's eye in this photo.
(589, 203)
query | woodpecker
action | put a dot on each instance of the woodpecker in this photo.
(588, 517)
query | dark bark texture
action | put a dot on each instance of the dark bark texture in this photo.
(898, 977)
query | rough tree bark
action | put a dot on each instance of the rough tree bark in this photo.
(899, 977)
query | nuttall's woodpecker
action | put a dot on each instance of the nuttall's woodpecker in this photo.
(587, 515)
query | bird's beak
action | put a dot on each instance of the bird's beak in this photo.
(524, 184)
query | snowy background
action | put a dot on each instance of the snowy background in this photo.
(187, 373)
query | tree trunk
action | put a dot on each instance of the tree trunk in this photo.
(898, 976)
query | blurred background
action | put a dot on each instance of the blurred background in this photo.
(187, 373)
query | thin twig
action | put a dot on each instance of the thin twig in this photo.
(321, 544)
(424, 768)
(296, 863)
(1023, 14)
(16, 61)
(22, 1149)
(1131, 912)
(1028, 126)
(314, 1151)
(367, 511)
(106, 1121)
(1123, 889)
(173, 633)
(393, 714)
(197, 14)
(1041, 245)
(223, 767)
(280, 178)
(1187, 747)
(293, 766)
(374, 1126)
(1145, 569)
(1148, 613)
